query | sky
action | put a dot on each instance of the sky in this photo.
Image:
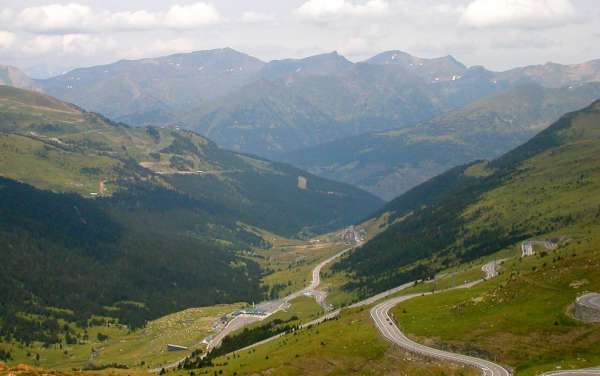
(49, 37)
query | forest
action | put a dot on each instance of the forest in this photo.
(70, 258)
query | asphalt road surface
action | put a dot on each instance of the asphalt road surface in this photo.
(575, 372)
(311, 289)
(387, 327)
(491, 268)
(591, 300)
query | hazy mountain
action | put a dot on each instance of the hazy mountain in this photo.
(155, 90)
(331, 64)
(390, 163)
(12, 76)
(272, 116)
(345, 98)
(435, 70)
(223, 93)
(553, 75)
(536, 190)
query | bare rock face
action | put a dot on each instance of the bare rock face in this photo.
(587, 308)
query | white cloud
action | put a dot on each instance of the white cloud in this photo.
(356, 46)
(6, 39)
(56, 18)
(521, 40)
(78, 18)
(6, 15)
(68, 44)
(254, 17)
(131, 20)
(41, 45)
(191, 16)
(326, 10)
(526, 14)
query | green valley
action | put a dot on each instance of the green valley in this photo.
(186, 212)
(100, 219)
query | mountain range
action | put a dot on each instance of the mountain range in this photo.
(270, 108)
(105, 226)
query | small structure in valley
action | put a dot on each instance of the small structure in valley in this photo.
(527, 247)
(250, 311)
(587, 307)
(302, 182)
(174, 348)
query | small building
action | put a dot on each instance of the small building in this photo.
(302, 182)
(527, 249)
(175, 348)
(251, 311)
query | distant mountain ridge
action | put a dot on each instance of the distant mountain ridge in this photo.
(202, 91)
(154, 90)
(445, 68)
(392, 162)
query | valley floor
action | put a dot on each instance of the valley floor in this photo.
(290, 264)
(520, 318)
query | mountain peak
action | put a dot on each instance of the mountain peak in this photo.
(433, 70)
(401, 57)
(331, 63)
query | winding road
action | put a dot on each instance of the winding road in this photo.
(575, 372)
(385, 324)
(491, 268)
(591, 300)
(271, 307)
(391, 332)
(311, 289)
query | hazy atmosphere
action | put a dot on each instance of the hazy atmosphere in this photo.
(300, 187)
(46, 38)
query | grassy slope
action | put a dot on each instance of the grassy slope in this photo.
(292, 268)
(288, 263)
(130, 348)
(24, 370)
(528, 306)
(54, 145)
(550, 187)
(323, 350)
(520, 319)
